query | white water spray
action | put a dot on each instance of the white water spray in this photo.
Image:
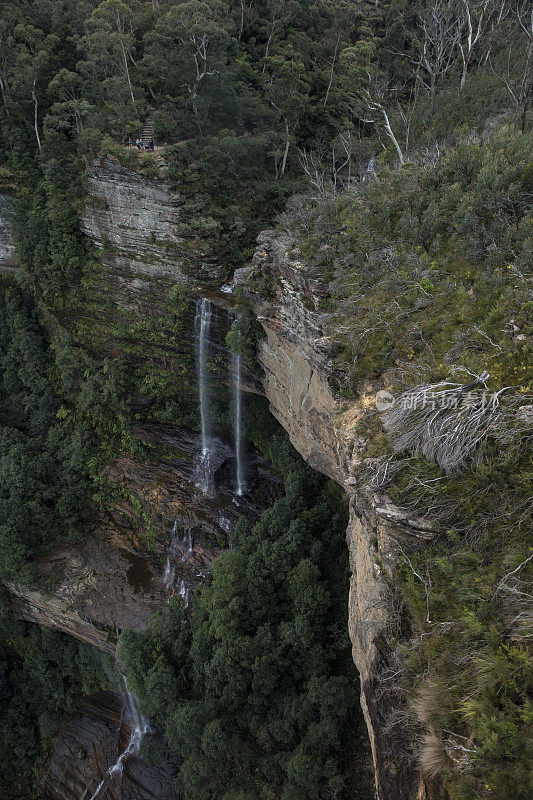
(202, 325)
(168, 576)
(140, 728)
(184, 593)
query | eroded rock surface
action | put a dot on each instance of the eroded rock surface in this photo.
(113, 579)
(99, 586)
(89, 745)
(296, 357)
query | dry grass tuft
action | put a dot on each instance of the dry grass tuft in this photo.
(433, 758)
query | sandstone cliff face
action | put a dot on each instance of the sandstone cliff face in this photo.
(297, 370)
(136, 219)
(114, 578)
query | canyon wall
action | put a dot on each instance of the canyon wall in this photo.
(90, 744)
(298, 371)
(133, 222)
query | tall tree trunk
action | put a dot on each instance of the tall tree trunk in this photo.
(332, 70)
(287, 145)
(391, 135)
(463, 74)
(125, 58)
(432, 90)
(35, 119)
(524, 96)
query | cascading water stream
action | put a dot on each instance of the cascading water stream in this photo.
(184, 593)
(140, 728)
(168, 576)
(237, 421)
(202, 325)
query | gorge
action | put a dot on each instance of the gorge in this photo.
(265, 400)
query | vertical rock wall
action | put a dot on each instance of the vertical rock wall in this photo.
(297, 363)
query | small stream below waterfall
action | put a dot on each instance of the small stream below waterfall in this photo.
(140, 727)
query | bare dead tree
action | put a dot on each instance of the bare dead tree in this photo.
(376, 113)
(474, 17)
(440, 31)
(448, 422)
(523, 13)
(517, 595)
(315, 173)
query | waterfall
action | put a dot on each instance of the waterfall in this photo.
(237, 421)
(202, 324)
(369, 171)
(140, 728)
(184, 593)
(168, 577)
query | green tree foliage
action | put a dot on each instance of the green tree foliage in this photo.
(44, 482)
(256, 688)
(53, 252)
(61, 415)
(43, 678)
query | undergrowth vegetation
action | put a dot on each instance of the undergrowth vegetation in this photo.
(429, 269)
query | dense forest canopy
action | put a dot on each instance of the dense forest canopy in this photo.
(395, 140)
(255, 687)
(256, 95)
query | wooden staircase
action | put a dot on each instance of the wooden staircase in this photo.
(147, 134)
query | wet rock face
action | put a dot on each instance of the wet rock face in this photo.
(89, 745)
(99, 586)
(114, 578)
(8, 258)
(295, 353)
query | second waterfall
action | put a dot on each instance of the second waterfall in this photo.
(202, 324)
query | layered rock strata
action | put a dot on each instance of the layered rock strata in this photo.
(89, 745)
(298, 372)
(113, 579)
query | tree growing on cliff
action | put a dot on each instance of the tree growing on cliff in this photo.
(108, 50)
(256, 687)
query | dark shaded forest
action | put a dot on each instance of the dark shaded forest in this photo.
(392, 141)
